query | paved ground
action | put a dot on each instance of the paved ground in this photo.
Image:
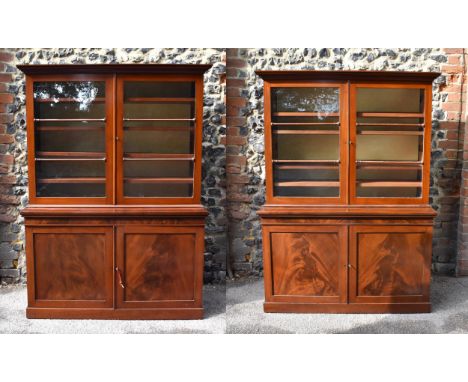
(13, 319)
(244, 314)
(449, 314)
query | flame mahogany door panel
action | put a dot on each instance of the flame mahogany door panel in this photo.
(390, 264)
(159, 267)
(306, 263)
(70, 267)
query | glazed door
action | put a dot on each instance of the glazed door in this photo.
(389, 264)
(70, 267)
(158, 267)
(306, 264)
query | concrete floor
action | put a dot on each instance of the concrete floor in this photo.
(13, 320)
(449, 313)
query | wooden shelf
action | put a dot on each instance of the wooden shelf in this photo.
(307, 167)
(377, 183)
(303, 114)
(69, 128)
(69, 159)
(159, 180)
(306, 132)
(70, 154)
(388, 163)
(148, 156)
(305, 161)
(159, 119)
(387, 132)
(66, 100)
(308, 184)
(305, 123)
(69, 119)
(391, 124)
(390, 115)
(159, 128)
(70, 180)
(158, 100)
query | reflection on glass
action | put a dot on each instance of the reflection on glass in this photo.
(70, 169)
(389, 192)
(159, 89)
(158, 169)
(161, 142)
(69, 140)
(313, 99)
(162, 190)
(396, 100)
(66, 100)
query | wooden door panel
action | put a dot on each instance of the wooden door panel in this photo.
(71, 265)
(308, 264)
(390, 264)
(158, 265)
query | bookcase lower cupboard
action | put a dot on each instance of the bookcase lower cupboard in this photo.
(347, 261)
(115, 263)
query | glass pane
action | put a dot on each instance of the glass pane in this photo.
(306, 148)
(71, 190)
(158, 152)
(397, 100)
(313, 99)
(150, 137)
(70, 169)
(69, 100)
(70, 143)
(388, 147)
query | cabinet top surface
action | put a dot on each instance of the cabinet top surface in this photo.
(348, 75)
(114, 69)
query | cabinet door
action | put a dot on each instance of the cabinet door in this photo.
(305, 263)
(159, 267)
(390, 264)
(69, 266)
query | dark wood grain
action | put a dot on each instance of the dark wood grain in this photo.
(389, 264)
(158, 266)
(71, 265)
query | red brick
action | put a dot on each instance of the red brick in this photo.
(235, 121)
(239, 198)
(8, 179)
(9, 199)
(6, 159)
(236, 160)
(446, 144)
(5, 77)
(6, 98)
(236, 101)
(454, 59)
(452, 69)
(6, 218)
(3, 87)
(233, 91)
(6, 118)
(453, 50)
(6, 138)
(236, 140)
(451, 106)
(232, 52)
(239, 179)
(236, 63)
(6, 56)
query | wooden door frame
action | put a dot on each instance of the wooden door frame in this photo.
(343, 140)
(197, 141)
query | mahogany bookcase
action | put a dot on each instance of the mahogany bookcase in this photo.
(114, 225)
(347, 226)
